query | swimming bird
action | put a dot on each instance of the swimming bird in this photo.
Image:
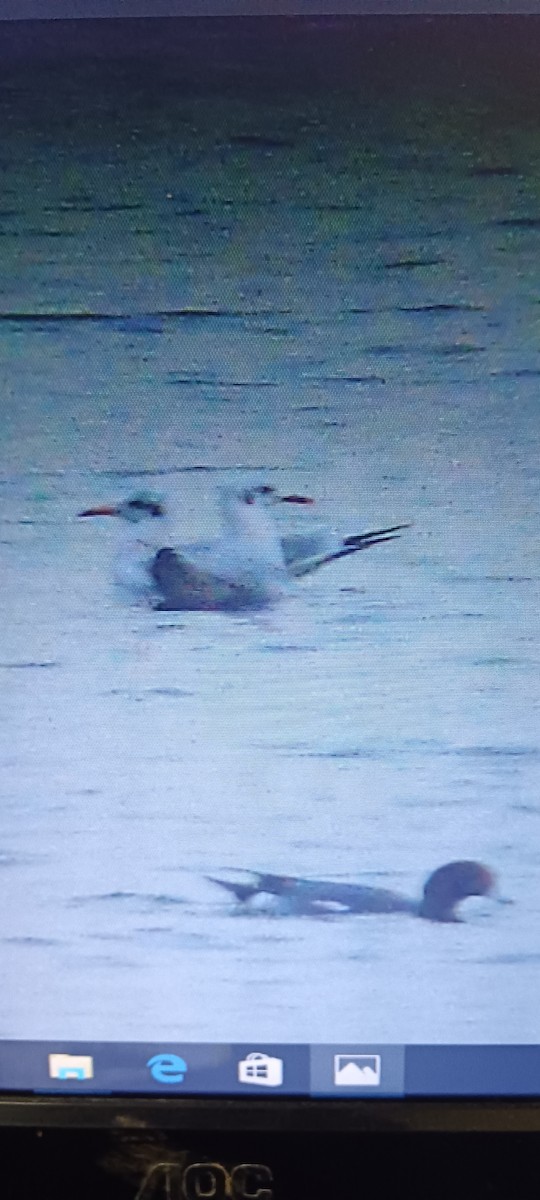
(287, 895)
(249, 566)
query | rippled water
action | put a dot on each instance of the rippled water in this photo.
(336, 290)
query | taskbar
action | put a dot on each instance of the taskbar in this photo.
(360, 1071)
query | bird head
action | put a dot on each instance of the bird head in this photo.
(256, 496)
(141, 507)
(452, 883)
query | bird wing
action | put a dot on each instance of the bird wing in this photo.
(299, 547)
(183, 586)
(299, 564)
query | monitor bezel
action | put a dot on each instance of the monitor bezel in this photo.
(284, 1115)
(418, 1115)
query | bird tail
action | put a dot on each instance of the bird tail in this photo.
(241, 891)
(273, 884)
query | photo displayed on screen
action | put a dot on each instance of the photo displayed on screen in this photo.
(269, 320)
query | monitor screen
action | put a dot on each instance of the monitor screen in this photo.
(269, 314)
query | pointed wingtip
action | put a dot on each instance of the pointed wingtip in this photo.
(361, 541)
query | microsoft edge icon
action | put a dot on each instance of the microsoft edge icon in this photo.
(167, 1068)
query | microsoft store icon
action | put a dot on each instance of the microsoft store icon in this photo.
(357, 1070)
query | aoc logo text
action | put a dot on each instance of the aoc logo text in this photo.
(207, 1181)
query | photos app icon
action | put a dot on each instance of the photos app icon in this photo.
(357, 1070)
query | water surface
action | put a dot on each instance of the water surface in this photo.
(333, 285)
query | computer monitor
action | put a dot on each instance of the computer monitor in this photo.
(269, 532)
